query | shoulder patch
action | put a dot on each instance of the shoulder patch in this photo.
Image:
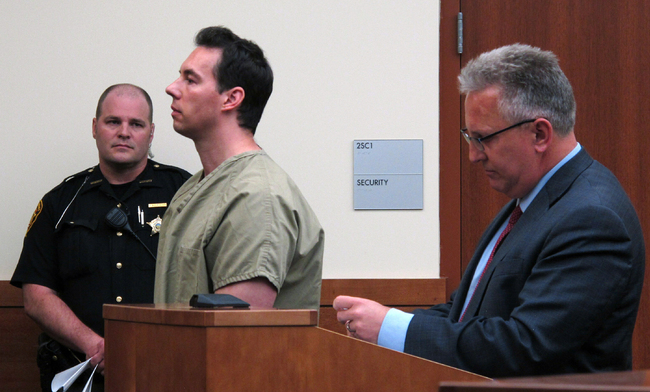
(35, 215)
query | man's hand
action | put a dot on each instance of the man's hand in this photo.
(363, 317)
(96, 355)
(45, 307)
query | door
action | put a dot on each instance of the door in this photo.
(601, 45)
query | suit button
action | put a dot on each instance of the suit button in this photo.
(118, 299)
(119, 265)
(119, 233)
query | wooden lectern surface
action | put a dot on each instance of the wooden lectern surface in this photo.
(150, 348)
(179, 314)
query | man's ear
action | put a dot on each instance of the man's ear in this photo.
(94, 128)
(543, 134)
(234, 98)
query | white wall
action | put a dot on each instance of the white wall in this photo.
(344, 70)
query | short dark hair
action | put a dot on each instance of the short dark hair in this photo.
(102, 98)
(242, 65)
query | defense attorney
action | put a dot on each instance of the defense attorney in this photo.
(555, 282)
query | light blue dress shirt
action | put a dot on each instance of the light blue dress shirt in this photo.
(392, 333)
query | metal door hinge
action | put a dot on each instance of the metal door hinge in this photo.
(460, 33)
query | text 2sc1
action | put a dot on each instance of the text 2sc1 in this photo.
(364, 145)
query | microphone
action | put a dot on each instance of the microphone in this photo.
(117, 219)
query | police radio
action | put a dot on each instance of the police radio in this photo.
(117, 219)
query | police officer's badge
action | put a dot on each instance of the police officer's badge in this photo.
(155, 225)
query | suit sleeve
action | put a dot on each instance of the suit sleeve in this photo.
(440, 310)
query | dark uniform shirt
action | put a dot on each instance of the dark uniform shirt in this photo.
(70, 248)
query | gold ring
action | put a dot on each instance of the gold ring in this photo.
(347, 326)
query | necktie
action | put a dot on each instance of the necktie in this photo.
(514, 217)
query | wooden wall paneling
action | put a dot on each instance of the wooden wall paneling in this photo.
(18, 343)
(390, 292)
(10, 296)
(18, 340)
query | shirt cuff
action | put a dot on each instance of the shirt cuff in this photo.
(392, 333)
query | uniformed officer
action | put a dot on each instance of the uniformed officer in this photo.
(93, 239)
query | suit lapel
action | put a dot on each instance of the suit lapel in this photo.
(463, 287)
(552, 191)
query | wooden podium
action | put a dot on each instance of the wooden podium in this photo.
(176, 348)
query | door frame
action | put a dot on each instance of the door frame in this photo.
(450, 147)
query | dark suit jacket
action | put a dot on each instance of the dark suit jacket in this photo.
(562, 292)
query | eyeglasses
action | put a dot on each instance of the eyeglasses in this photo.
(478, 141)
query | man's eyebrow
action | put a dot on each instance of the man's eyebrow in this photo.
(479, 132)
(189, 72)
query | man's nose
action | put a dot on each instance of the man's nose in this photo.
(476, 155)
(172, 90)
(123, 131)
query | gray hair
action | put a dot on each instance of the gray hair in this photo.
(531, 82)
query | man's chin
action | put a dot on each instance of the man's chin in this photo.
(181, 130)
(497, 185)
(187, 134)
(124, 164)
